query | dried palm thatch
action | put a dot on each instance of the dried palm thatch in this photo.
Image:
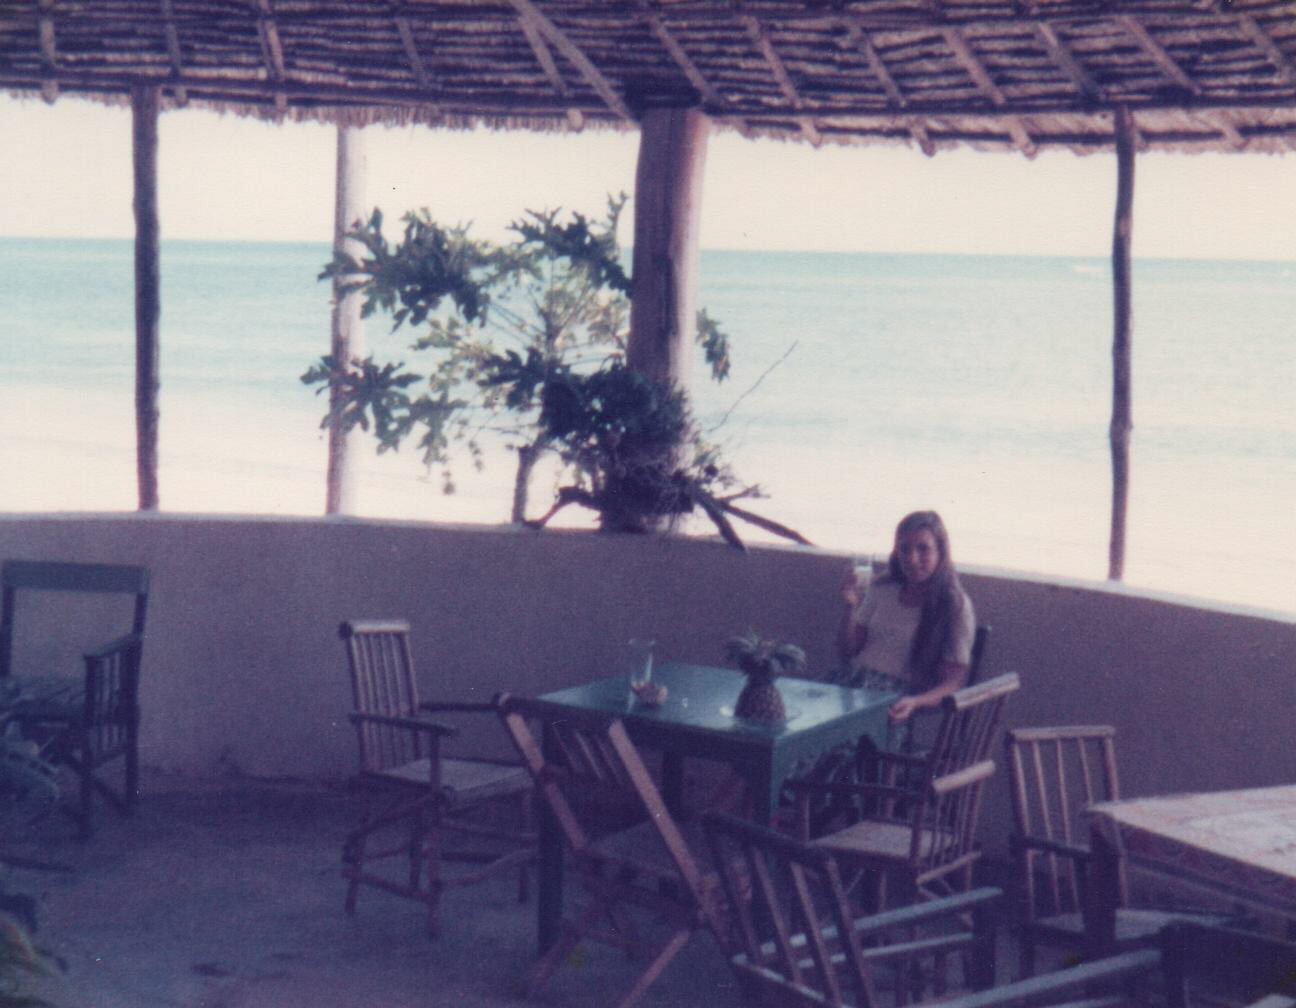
(1020, 75)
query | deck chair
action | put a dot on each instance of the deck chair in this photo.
(85, 721)
(1054, 773)
(588, 773)
(915, 822)
(410, 789)
(796, 941)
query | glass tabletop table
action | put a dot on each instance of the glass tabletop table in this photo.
(696, 720)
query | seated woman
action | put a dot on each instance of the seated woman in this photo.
(912, 630)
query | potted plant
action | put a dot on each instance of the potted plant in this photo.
(762, 661)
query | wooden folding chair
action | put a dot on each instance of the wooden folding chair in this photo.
(589, 773)
(410, 788)
(1054, 774)
(796, 942)
(82, 722)
(915, 818)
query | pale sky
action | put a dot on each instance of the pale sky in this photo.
(66, 172)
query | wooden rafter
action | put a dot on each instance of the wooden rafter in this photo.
(1221, 122)
(1158, 54)
(550, 67)
(173, 50)
(1282, 63)
(760, 39)
(412, 56)
(49, 52)
(530, 14)
(856, 36)
(704, 87)
(1065, 58)
(272, 51)
(981, 77)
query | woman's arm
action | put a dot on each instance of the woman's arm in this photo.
(852, 632)
(953, 676)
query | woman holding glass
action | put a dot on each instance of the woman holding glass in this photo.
(911, 629)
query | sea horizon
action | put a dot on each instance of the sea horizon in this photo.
(865, 385)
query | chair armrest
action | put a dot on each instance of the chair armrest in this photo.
(114, 647)
(920, 912)
(1055, 988)
(962, 778)
(414, 724)
(445, 706)
(1019, 843)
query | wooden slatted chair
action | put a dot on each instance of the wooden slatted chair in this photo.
(1224, 965)
(90, 720)
(1054, 773)
(915, 822)
(589, 773)
(410, 788)
(796, 942)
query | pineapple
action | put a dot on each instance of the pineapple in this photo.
(762, 661)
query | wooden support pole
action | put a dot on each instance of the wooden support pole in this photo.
(1121, 423)
(148, 302)
(668, 200)
(348, 342)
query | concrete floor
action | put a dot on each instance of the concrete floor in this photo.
(228, 895)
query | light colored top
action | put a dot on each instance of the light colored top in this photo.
(891, 627)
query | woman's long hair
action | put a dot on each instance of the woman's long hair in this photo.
(941, 604)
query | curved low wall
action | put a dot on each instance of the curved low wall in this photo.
(243, 668)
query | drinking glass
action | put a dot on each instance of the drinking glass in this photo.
(640, 663)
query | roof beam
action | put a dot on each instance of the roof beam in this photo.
(981, 77)
(272, 51)
(760, 38)
(1065, 58)
(1158, 54)
(49, 53)
(856, 36)
(529, 14)
(550, 67)
(1281, 61)
(173, 50)
(417, 66)
(690, 70)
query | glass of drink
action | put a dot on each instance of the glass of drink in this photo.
(640, 663)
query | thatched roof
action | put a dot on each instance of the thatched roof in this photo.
(1000, 74)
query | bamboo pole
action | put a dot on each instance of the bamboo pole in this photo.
(1121, 423)
(348, 341)
(148, 311)
(668, 200)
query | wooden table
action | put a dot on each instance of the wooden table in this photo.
(1240, 845)
(697, 720)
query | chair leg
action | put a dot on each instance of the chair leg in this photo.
(131, 797)
(660, 961)
(1026, 961)
(86, 811)
(353, 853)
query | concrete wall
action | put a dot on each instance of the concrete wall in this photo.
(243, 668)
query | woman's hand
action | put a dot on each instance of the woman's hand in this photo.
(851, 589)
(904, 707)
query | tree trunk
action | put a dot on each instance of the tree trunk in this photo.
(348, 329)
(1121, 423)
(668, 199)
(148, 282)
(527, 456)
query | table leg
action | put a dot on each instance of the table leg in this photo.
(1102, 896)
(549, 899)
(673, 782)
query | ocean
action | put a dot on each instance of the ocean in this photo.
(863, 386)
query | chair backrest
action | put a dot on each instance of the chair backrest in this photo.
(590, 774)
(795, 939)
(43, 575)
(955, 770)
(382, 683)
(1054, 773)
